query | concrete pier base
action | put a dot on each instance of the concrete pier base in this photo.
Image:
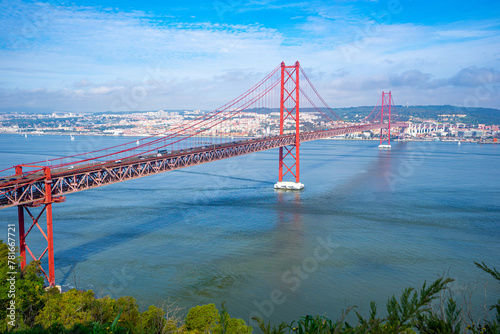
(289, 185)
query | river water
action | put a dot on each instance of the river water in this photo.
(369, 223)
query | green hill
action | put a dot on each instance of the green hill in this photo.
(488, 116)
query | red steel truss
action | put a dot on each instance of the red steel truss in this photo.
(31, 190)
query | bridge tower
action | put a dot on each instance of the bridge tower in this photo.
(48, 235)
(289, 156)
(385, 134)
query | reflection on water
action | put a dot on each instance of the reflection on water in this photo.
(368, 223)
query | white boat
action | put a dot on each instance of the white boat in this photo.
(72, 138)
(25, 135)
(459, 143)
(137, 142)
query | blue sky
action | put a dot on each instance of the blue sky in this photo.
(130, 55)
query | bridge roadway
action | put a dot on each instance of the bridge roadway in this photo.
(29, 189)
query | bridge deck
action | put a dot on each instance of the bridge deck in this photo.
(30, 189)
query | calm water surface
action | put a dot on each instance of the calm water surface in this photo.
(369, 223)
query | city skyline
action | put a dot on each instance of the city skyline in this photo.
(108, 55)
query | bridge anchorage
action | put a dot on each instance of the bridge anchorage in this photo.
(204, 139)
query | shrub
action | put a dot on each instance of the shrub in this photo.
(203, 319)
(67, 309)
(153, 320)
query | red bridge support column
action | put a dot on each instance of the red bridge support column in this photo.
(49, 237)
(289, 156)
(385, 133)
(20, 216)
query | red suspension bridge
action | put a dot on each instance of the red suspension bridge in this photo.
(277, 100)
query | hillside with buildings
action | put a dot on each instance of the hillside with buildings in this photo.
(426, 121)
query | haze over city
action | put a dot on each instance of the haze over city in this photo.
(123, 55)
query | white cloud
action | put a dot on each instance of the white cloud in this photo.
(85, 58)
(473, 76)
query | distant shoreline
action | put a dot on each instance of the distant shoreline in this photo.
(151, 135)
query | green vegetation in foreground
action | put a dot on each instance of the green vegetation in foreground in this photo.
(427, 310)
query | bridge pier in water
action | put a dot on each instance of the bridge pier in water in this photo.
(289, 109)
